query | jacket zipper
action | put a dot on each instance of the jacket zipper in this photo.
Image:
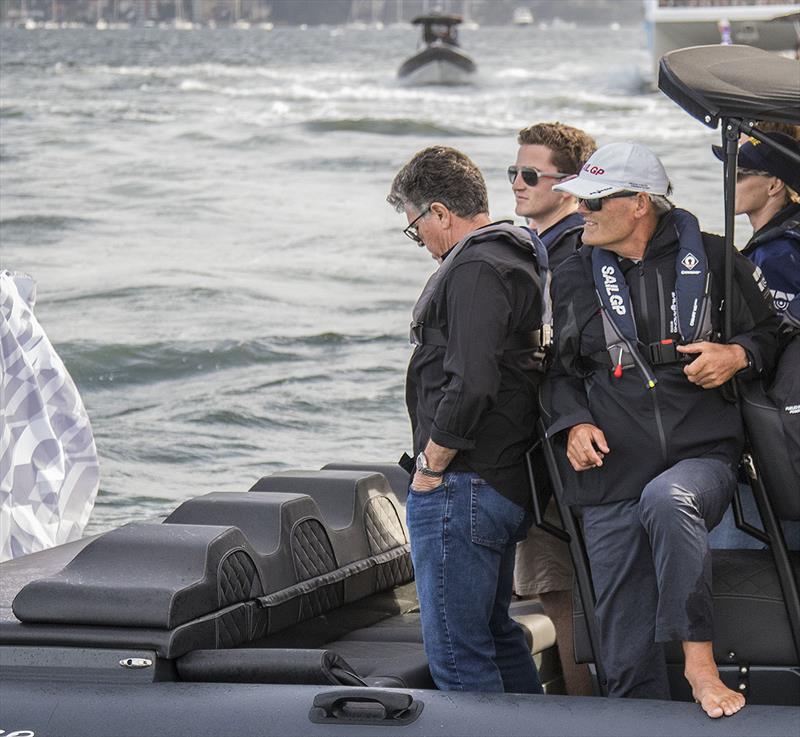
(660, 425)
(643, 296)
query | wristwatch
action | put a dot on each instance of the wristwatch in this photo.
(425, 469)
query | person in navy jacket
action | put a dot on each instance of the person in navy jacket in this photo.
(767, 186)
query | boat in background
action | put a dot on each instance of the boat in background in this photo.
(441, 61)
(676, 24)
(522, 16)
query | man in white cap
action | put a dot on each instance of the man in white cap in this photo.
(636, 403)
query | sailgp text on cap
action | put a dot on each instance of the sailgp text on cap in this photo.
(618, 167)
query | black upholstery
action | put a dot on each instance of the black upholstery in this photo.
(225, 569)
(397, 476)
(768, 437)
(147, 575)
(247, 665)
(750, 620)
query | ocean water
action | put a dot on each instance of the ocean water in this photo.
(204, 212)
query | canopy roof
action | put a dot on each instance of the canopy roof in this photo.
(713, 82)
(441, 19)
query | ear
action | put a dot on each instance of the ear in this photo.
(643, 206)
(776, 187)
(443, 214)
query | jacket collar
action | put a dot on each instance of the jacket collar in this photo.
(554, 233)
(773, 228)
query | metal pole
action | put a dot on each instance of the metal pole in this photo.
(730, 144)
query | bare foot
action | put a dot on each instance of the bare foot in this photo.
(714, 697)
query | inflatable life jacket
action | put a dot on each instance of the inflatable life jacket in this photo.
(521, 237)
(692, 303)
(777, 252)
(562, 239)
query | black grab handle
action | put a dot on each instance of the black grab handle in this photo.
(360, 706)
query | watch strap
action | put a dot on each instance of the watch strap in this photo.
(425, 471)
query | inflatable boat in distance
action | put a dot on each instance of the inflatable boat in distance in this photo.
(440, 61)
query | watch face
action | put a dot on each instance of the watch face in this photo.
(422, 462)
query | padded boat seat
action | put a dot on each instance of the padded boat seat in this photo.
(225, 569)
(348, 500)
(750, 619)
(539, 627)
(398, 477)
(771, 444)
(260, 665)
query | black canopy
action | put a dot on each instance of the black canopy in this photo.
(713, 82)
(437, 18)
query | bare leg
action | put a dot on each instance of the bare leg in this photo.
(715, 698)
(558, 606)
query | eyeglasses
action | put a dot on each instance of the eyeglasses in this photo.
(595, 204)
(411, 229)
(531, 176)
(742, 173)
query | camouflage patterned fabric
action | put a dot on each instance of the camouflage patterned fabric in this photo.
(49, 472)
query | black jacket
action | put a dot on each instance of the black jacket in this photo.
(648, 430)
(473, 394)
(562, 239)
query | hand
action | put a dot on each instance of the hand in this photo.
(586, 446)
(421, 482)
(715, 362)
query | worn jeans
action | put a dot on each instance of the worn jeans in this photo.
(651, 569)
(463, 536)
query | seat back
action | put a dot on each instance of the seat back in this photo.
(768, 436)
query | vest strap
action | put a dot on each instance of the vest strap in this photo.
(420, 335)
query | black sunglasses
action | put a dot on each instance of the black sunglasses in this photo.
(595, 204)
(531, 176)
(411, 229)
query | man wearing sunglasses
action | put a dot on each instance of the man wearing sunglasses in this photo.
(470, 393)
(635, 392)
(548, 154)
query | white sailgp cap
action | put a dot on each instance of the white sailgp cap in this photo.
(618, 167)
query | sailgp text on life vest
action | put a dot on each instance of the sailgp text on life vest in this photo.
(612, 290)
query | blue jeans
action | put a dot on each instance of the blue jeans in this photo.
(463, 537)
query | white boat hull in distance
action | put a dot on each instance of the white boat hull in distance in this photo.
(438, 65)
(765, 26)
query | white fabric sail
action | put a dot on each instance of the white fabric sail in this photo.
(49, 472)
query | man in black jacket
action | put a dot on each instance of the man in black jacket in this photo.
(547, 154)
(470, 392)
(636, 397)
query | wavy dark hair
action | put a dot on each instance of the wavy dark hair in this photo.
(570, 148)
(440, 174)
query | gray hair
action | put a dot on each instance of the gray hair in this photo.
(440, 174)
(661, 203)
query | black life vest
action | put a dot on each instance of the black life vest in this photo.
(692, 303)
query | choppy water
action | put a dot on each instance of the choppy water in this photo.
(204, 213)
